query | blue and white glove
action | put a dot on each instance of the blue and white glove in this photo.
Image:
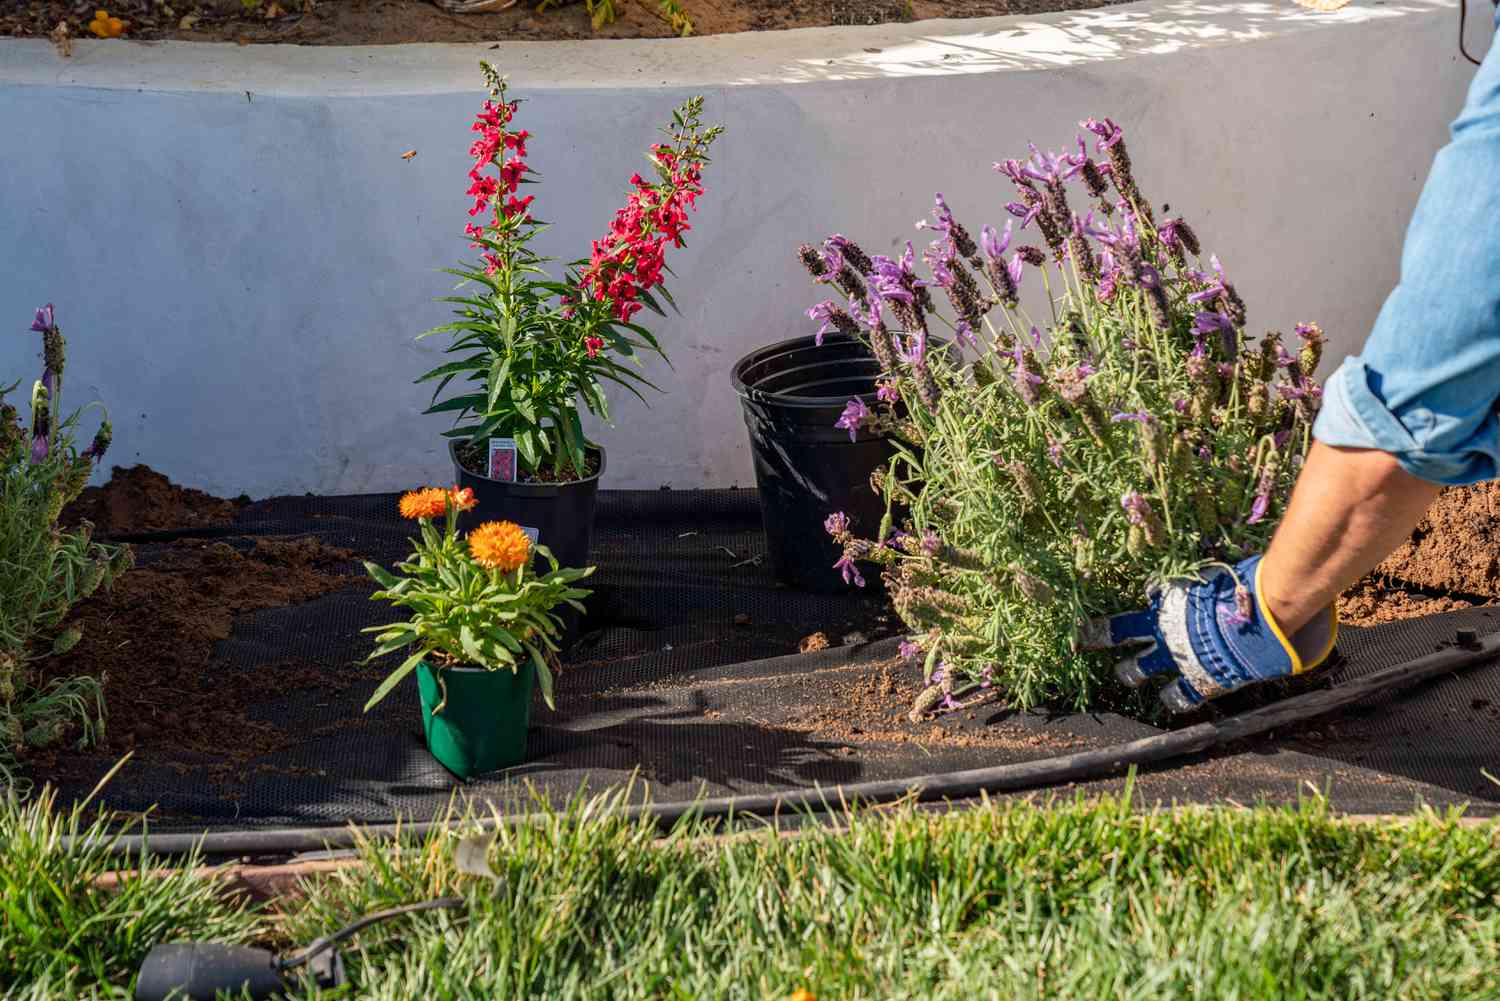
(1216, 634)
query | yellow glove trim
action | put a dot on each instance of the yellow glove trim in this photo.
(1298, 666)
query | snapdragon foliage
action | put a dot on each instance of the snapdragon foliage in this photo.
(1051, 467)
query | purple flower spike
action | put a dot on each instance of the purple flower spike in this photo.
(822, 313)
(964, 335)
(1136, 507)
(1108, 132)
(46, 319)
(850, 571)
(1259, 508)
(942, 217)
(836, 524)
(907, 650)
(1024, 213)
(1208, 323)
(1015, 267)
(995, 244)
(853, 418)
(887, 392)
(917, 350)
(930, 542)
(39, 448)
(1139, 418)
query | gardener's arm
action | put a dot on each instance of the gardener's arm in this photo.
(1414, 411)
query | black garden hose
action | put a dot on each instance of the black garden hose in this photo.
(1465, 651)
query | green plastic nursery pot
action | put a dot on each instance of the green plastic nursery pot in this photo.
(483, 725)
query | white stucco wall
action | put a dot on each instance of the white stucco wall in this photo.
(240, 256)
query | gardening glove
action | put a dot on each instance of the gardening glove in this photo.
(1216, 634)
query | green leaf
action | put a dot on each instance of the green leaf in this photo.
(543, 675)
(394, 678)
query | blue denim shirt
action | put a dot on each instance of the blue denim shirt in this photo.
(1425, 386)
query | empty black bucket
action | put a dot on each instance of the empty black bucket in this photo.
(806, 468)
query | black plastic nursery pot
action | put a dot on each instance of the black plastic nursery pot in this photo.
(481, 716)
(562, 514)
(805, 468)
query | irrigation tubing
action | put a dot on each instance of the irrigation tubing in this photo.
(1465, 651)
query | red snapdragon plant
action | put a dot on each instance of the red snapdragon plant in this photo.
(534, 351)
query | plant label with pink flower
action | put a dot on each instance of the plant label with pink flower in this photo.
(502, 464)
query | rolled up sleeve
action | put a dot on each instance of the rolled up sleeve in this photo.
(1425, 385)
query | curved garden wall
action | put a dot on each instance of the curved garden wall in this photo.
(240, 254)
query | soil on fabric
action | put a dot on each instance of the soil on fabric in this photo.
(139, 499)
(387, 22)
(1455, 548)
(151, 638)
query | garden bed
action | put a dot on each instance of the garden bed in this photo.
(233, 672)
(388, 22)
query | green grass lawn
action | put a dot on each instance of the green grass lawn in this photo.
(1073, 900)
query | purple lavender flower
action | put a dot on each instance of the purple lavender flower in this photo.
(1054, 452)
(1208, 323)
(915, 351)
(1258, 509)
(831, 318)
(1014, 170)
(907, 650)
(1015, 267)
(895, 280)
(887, 392)
(853, 418)
(995, 244)
(1136, 507)
(846, 250)
(46, 319)
(39, 448)
(1108, 132)
(1025, 213)
(837, 524)
(964, 334)
(1108, 285)
(851, 572)
(1140, 417)
(930, 542)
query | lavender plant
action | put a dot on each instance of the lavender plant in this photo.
(45, 570)
(1052, 468)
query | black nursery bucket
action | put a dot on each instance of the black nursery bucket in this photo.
(806, 468)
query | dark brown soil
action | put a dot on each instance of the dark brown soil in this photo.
(1456, 547)
(151, 641)
(384, 22)
(475, 459)
(139, 499)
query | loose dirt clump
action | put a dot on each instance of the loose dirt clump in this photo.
(1456, 547)
(140, 499)
(1368, 603)
(151, 640)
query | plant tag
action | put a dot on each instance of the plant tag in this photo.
(503, 460)
(534, 534)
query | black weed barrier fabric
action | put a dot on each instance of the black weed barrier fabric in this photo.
(686, 680)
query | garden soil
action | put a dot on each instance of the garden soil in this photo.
(234, 674)
(138, 500)
(386, 22)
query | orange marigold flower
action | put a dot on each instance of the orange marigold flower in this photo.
(463, 498)
(802, 994)
(500, 545)
(429, 502)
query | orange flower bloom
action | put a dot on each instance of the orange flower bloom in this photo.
(429, 502)
(500, 545)
(464, 499)
(802, 994)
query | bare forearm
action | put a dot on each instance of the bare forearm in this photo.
(1351, 508)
